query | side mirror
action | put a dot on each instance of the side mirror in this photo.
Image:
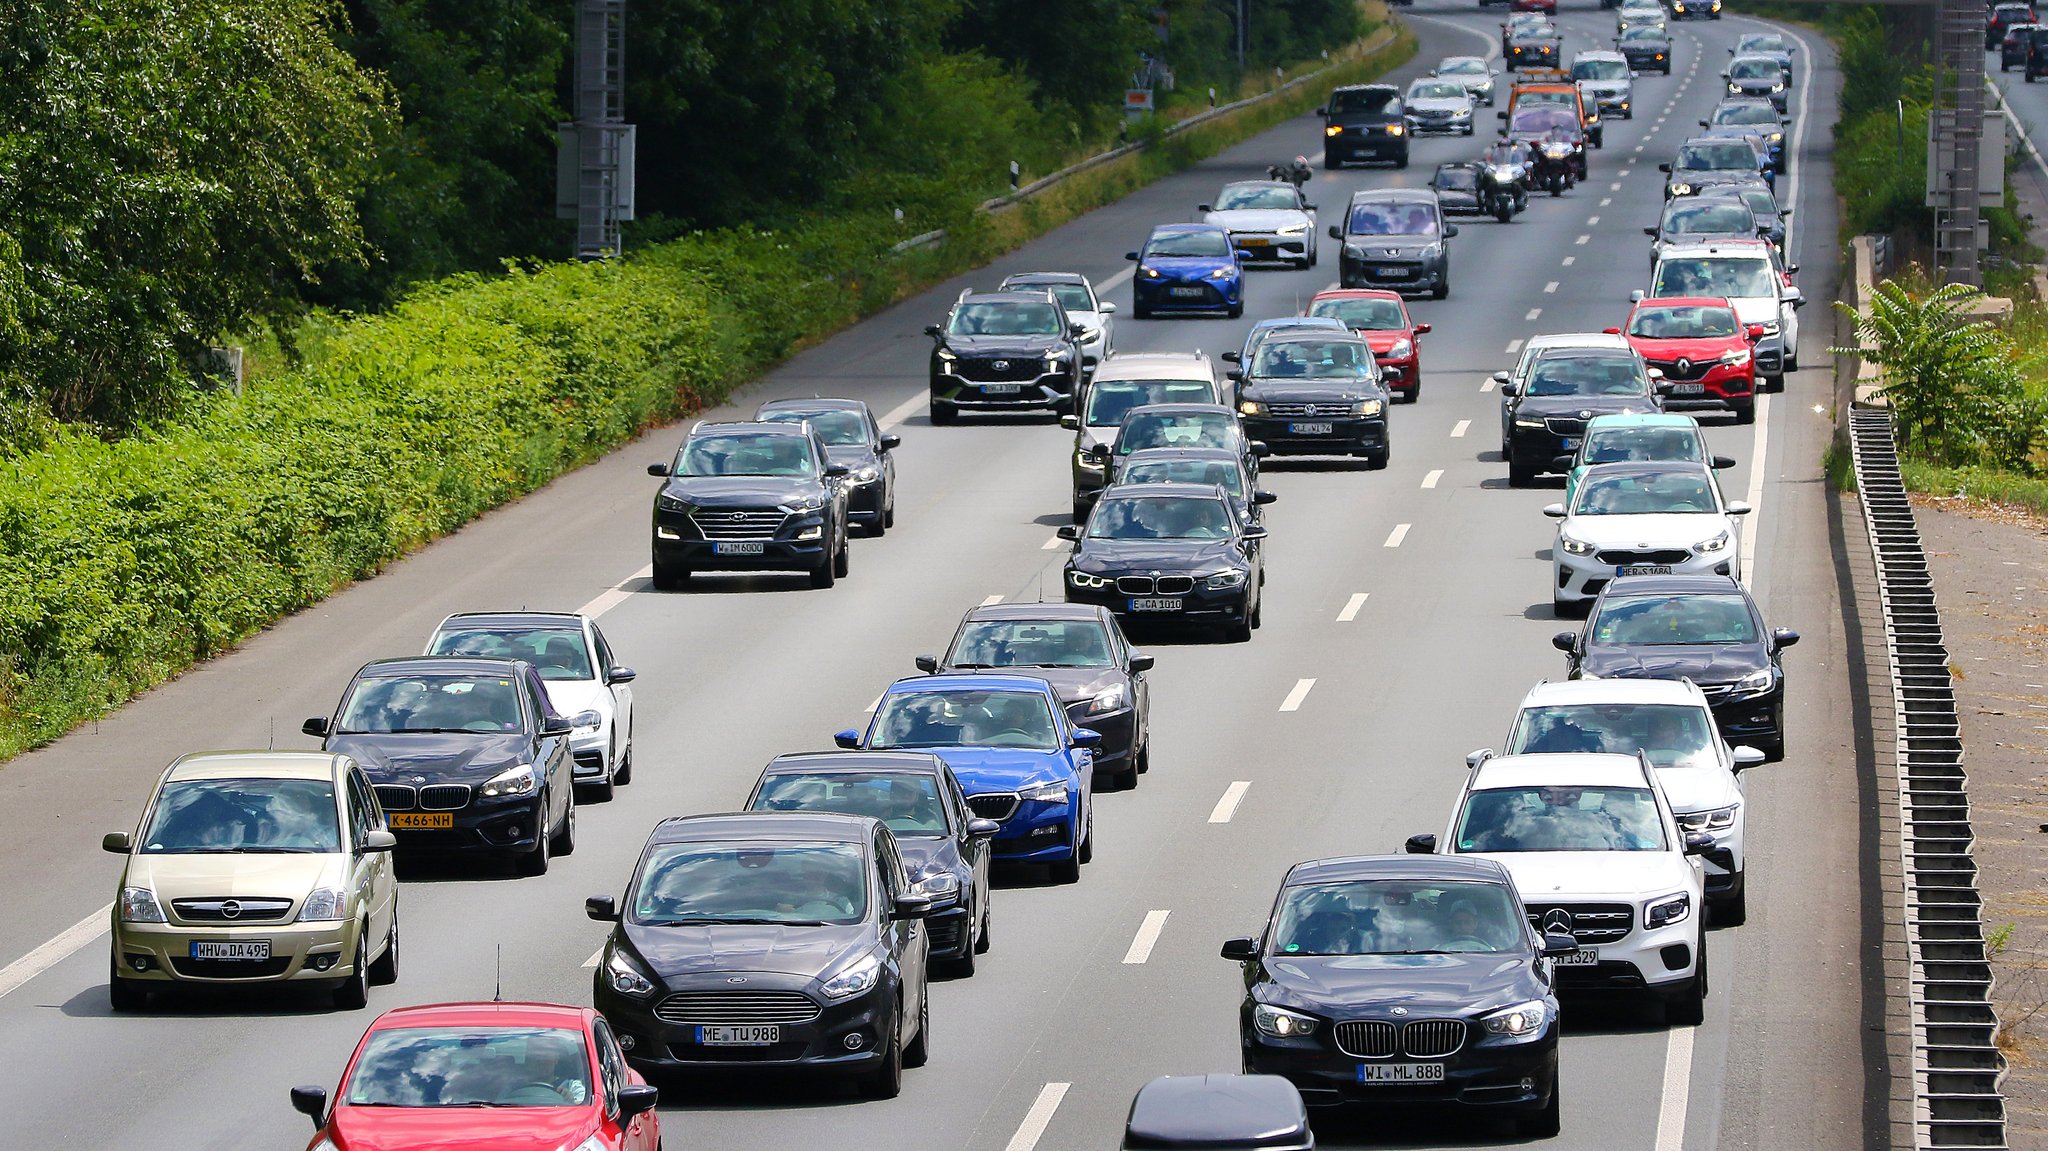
(1077, 330)
(311, 1102)
(1610, 331)
(1637, 296)
(1204, 208)
(1264, 497)
(1562, 463)
(1336, 232)
(1141, 661)
(1699, 843)
(377, 841)
(1130, 255)
(1308, 207)
(890, 443)
(1791, 269)
(1234, 375)
(1664, 167)
(928, 664)
(1509, 390)
(621, 675)
(1259, 450)
(1068, 532)
(1660, 385)
(1500, 115)
(982, 828)
(1106, 308)
(1322, 111)
(1101, 451)
(1755, 332)
(1722, 463)
(1071, 423)
(1423, 329)
(602, 908)
(1704, 124)
(1655, 373)
(117, 842)
(1554, 511)
(1242, 949)
(1558, 944)
(848, 739)
(1565, 641)
(1241, 255)
(834, 471)
(1739, 508)
(1747, 757)
(556, 725)
(1500, 377)
(1650, 232)
(1085, 737)
(1420, 845)
(1233, 357)
(637, 1098)
(933, 331)
(1475, 758)
(1254, 532)
(316, 727)
(1784, 637)
(1763, 229)
(658, 470)
(911, 907)
(1450, 230)
(1795, 297)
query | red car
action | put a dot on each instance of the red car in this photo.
(1702, 348)
(1545, 6)
(1382, 318)
(496, 1076)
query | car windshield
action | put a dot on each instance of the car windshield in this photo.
(1587, 376)
(1683, 322)
(238, 816)
(1709, 219)
(1534, 118)
(1032, 643)
(1462, 66)
(1457, 179)
(1108, 400)
(964, 718)
(768, 883)
(426, 703)
(1159, 518)
(1760, 201)
(1237, 196)
(1724, 277)
(1436, 90)
(746, 454)
(1223, 473)
(908, 802)
(1754, 69)
(1392, 219)
(1715, 156)
(1205, 245)
(1674, 621)
(1648, 445)
(471, 1067)
(1364, 101)
(1659, 493)
(1315, 360)
(559, 652)
(1397, 917)
(1008, 318)
(1644, 32)
(1671, 734)
(1372, 315)
(1763, 42)
(834, 425)
(1743, 114)
(1072, 297)
(1560, 819)
(1177, 430)
(1600, 70)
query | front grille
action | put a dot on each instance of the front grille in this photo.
(1621, 557)
(269, 968)
(736, 1008)
(1417, 1039)
(1308, 409)
(217, 910)
(444, 797)
(1366, 1039)
(1155, 585)
(1565, 425)
(739, 523)
(396, 797)
(1432, 1038)
(1592, 923)
(1001, 368)
(996, 805)
(1694, 369)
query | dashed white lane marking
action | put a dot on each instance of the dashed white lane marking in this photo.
(1533, 313)
(1639, 147)
(1606, 200)
(1038, 1118)
(594, 957)
(1486, 385)
(1592, 221)
(1051, 544)
(1300, 692)
(1627, 172)
(1569, 261)
(1677, 1077)
(615, 595)
(1351, 607)
(1435, 474)
(1550, 289)
(56, 951)
(1514, 346)
(992, 601)
(1148, 934)
(1583, 240)
(1458, 429)
(1227, 806)
(1395, 537)
(1615, 186)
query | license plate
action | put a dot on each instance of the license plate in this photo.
(415, 820)
(1311, 429)
(1254, 242)
(247, 949)
(1642, 569)
(737, 548)
(1188, 293)
(1400, 1073)
(1583, 957)
(1161, 604)
(1393, 272)
(1687, 389)
(1571, 443)
(754, 1035)
(1001, 389)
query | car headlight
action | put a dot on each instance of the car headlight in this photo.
(1715, 819)
(866, 474)
(1149, 273)
(1770, 327)
(1106, 700)
(1251, 408)
(1576, 547)
(1054, 792)
(1354, 251)
(1333, 130)
(139, 905)
(1292, 230)
(1281, 1023)
(669, 503)
(1520, 422)
(1762, 679)
(1461, 114)
(946, 355)
(1778, 87)
(1519, 1023)
(1393, 129)
(1401, 350)
(856, 979)
(805, 504)
(627, 979)
(940, 884)
(1086, 461)
(324, 905)
(1734, 87)
(1224, 580)
(814, 532)
(1736, 358)
(1716, 544)
(1776, 137)
(1057, 355)
(1224, 273)
(1366, 408)
(1506, 172)
(1083, 579)
(515, 780)
(1667, 911)
(1681, 188)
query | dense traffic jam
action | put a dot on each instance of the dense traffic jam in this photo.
(1587, 851)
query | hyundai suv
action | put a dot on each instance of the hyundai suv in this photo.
(750, 497)
(1012, 351)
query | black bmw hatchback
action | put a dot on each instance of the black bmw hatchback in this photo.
(1404, 979)
(1170, 553)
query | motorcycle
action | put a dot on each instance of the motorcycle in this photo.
(1504, 182)
(1553, 170)
(1295, 172)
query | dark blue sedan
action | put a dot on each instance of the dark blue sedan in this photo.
(1188, 268)
(1016, 755)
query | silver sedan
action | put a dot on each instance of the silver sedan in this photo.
(1471, 71)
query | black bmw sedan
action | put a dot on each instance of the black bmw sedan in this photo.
(762, 939)
(1171, 553)
(1404, 979)
(1703, 628)
(855, 441)
(750, 497)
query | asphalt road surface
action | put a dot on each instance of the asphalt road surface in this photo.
(1407, 611)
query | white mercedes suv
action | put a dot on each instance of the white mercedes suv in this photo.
(1595, 850)
(1662, 517)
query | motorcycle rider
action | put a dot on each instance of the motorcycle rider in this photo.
(1504, 179)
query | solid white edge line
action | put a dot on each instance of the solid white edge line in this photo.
(66, 944)
(1351, 606)
(894, 417)
(1677, 1092)
(1435, 474)
(1117, 280)
(991, 601)
(1295, 697)
(1458, 429)
(1036, 1120)
(1395, 537)
(1148, 934)
(1227, 806)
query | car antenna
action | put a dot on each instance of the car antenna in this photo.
(270, 741)
(498, 991)
(1041, 585)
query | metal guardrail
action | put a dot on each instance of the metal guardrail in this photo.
(1956, 1062)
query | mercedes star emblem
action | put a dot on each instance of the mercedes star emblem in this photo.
(1557, 921)
(231, 909)
(1001, 365)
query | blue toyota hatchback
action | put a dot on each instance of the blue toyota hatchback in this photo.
(1016, 755)
(1188, 268)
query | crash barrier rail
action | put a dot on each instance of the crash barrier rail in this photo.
(1372, 45)
(1955, 1057)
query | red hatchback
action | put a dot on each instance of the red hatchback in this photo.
(476, 1076)
(1703, 349)
(1545, 6)
(1382, 318)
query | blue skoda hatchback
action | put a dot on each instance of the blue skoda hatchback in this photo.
(1008, 741)
(1188, 268)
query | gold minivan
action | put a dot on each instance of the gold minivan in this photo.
(256, 867)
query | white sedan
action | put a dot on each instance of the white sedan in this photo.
(1661, 518)
(1268, 218)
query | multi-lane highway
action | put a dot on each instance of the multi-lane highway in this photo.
(1406, 613)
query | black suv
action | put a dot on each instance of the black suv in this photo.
(1315, 393)
(1013, 351)
(1365, 122)
(853, 438)
(1395, 238)
(750, 497)
(1547, 412)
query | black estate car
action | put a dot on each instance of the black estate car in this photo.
(1395, 238)
(1013, 351)
(915, 795)
(1315, 393)
(1404, 979)
(1646, 47)
(1177, 553)
(1219, 466)
(1082, 653)
(760, 496)
(1547, 413)
(1703, 628)
(466, 755)
(1365, 122)
(854, 441)
(751, 940)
